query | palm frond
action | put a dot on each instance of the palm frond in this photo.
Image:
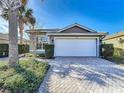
(22, 10)
(29, 12)
(4, 9)
(5, 14)
(32, 20)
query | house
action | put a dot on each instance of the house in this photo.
(4, 39)
(73, 40)
(116, 39)
(117, 42)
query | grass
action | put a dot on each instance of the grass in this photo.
(26, 78)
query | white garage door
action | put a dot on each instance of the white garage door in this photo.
(75, 47)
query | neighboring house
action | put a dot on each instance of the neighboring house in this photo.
(4, 39)
(117, 42)
(116, 39)
(73, 40)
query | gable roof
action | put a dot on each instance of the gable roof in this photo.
(78, 25)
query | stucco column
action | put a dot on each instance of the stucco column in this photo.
(32, 42)
(98, 47)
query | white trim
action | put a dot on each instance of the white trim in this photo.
(98, 46)
(78, 34)
(77, 37)
(97, 42)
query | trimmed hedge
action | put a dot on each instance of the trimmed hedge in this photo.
(4, 49)
(49, 51)
(107, 50)
(23, 49)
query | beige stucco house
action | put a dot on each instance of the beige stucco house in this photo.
(72, 40)
(116, 39)
(4, 39)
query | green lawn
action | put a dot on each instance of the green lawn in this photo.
(26, 78)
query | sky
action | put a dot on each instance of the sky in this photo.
(99, 15)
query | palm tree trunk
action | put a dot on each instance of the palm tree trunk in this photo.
(21, 36)
(13, 39)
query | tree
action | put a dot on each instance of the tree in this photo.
(25, 17)
(13, 33)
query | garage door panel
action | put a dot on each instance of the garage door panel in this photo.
(75, 47)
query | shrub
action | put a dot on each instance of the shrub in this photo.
(23, 49)
(49, 51)
(4, 49)
(16, 84)
(40, 55)
(25, 78)
(107, 50)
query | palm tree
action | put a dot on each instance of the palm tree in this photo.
(6, 8)
(25, 17)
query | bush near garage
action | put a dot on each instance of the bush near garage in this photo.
(107, 50)
(49, 51)
(4, 49)
(23, 49)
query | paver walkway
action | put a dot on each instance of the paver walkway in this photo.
(83, 75)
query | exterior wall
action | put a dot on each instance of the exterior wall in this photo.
(115, 41)
(75, 29)
(3, 41)
(6, 41)
(32, 42)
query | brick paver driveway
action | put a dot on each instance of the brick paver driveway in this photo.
(83, 75)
